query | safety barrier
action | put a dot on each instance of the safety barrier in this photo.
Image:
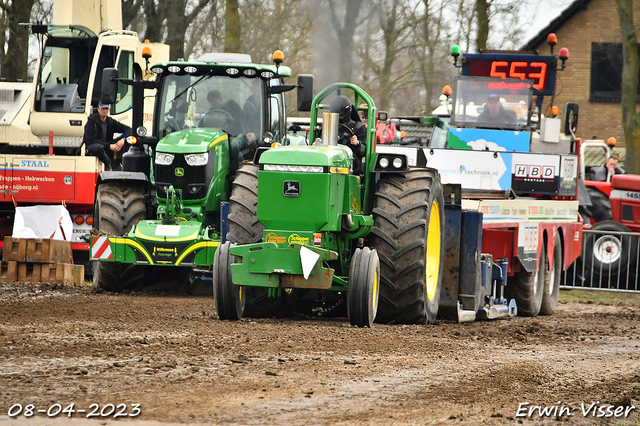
(609, 262)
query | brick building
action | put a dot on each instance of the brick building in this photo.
(590, 30)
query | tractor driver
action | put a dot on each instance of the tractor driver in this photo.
(224, 114)
(494, 113)
(98, 138)
(352, 132)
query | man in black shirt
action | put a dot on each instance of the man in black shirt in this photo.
(98, 137)
(351, 132)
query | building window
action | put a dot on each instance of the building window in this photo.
(606, 72)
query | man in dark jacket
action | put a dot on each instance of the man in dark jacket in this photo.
(495, 114)
(351, 132)
(98, 138)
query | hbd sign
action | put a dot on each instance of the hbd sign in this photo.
(529, 171)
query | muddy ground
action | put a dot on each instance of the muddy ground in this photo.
(173, 357)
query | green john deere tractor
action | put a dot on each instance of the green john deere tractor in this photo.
(167, 211)
(376, 237)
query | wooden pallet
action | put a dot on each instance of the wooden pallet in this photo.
(63, 273)
(39, 260)
(37, 250)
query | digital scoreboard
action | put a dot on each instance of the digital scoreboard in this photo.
(541, 69)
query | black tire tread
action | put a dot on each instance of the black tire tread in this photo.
(401, 216)
(550, 297)
(523, 289)
(244, 228)
(120, 206)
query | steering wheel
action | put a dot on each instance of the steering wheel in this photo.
(348, 131)
(228, 117)
(347, 128)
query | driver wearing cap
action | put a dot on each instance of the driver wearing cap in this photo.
(99, 141)
(494, 112)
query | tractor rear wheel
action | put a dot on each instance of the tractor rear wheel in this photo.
(362, 296)
(528, 289)
(607, 256)
(408, 235)
(244, 228)
(118, 207)
(552, 280)
(229, 298)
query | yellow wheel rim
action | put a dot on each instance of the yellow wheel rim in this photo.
(433, 251)
(374, 294)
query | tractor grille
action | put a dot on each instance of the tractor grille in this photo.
(193, 182)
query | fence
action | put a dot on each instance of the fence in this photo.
(609, 262)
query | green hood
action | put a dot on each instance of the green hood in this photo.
(327, 156)
(191, 141)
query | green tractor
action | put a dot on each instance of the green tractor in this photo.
(167, 211)
(376, 237)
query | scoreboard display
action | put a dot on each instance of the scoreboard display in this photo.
(541, 69)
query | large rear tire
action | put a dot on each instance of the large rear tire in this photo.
(408, 235)
(362, 296)
(228, 297)
(118, 207)
(552, 280)
(244, 228)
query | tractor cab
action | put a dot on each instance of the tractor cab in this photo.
(493, 113)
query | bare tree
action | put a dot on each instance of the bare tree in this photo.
(16, 57)
(345, 29)
(130, 9)
(206, 32)
(154, 16)
(431, 50)
(168, 21)
(232, 29)
(630, 66)
(392, 29)
(482, 13)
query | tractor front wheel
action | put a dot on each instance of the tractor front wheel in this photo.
(118, 207)
(228, 296)
(408, 235)
(362, 297)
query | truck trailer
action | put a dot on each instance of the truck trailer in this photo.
(41, 157)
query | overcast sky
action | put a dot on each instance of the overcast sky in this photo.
(542, 13)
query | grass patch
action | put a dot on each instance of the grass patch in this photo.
(600, 297)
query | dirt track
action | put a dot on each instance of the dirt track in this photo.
(174, 357)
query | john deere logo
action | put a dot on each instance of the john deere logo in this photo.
(179, 171)
(291, 188)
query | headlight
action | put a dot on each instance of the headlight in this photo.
(164, 159)
(141, 131)
(397, 162)
(384, 162)
(197, 159)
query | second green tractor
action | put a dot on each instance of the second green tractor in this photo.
(316, 234)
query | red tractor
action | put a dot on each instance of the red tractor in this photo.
(610, 250)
